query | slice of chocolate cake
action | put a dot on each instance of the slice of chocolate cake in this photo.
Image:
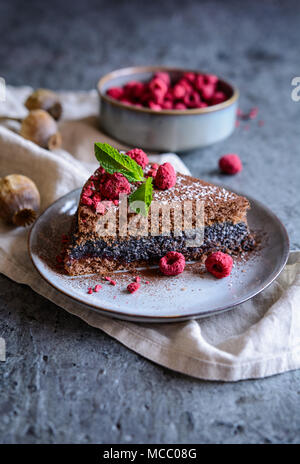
(111, 232)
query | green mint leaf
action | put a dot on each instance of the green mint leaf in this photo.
(113, 161)
(142, 194)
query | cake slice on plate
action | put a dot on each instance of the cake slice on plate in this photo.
(132, 212)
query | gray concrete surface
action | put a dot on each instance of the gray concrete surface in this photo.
(64, 381)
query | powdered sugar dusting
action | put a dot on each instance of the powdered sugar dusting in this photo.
(193, 190)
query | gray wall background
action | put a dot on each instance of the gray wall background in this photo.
(66, 382)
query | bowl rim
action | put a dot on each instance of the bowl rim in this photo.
(141, 69)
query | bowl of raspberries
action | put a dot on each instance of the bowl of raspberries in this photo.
(166, 109)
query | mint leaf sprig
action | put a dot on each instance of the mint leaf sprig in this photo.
(142, 195)
(113, 161)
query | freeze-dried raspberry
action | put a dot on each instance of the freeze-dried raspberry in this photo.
(192, 100)
(139, 156)
(219, 97)
(97, 288)
(86, 201)
(146, 97)
(96, 198)
(158, 84)
(100, 206)
(134, 89)
(164, 76)
(186, 84)
(179, 91)
(87, 192)
(131, 88)
(172, 264)
(152, 171)
(189, 76)
(99, 172)
(230, 164)
(154, 106)
(137, 279)
(165, 177)
(90, 291)
(207, 91)
(133, 287)
(157, 96)
(113, 185)
(179, 106)
(199, 81)
(210, 79)
(253, 113)
(169, 95)
(167, 105)
(219, 264)
(116, 92)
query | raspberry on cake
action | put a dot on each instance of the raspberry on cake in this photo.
(139, 156)
(112, 185)
(165, 177)
(89, 251)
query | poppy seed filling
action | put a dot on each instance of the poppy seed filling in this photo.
(218, 236)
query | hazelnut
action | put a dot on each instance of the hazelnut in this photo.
(43, 99)
(19, 200)
(41, 128)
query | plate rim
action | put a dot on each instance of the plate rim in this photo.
(170, 318)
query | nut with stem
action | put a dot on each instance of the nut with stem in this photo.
(44, 99)
(41, 128)
(19, 200)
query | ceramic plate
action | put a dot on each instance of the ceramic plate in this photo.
(192, 294)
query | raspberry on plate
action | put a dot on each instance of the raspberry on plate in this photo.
(219, 264)
(172, 264)
(133, 287)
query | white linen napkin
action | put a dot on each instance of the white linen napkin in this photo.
(259, 338)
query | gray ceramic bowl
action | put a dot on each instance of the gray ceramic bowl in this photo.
(166, 130)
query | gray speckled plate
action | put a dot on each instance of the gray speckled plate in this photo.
(192, 294)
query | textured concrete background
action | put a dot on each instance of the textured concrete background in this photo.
(64, 381)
